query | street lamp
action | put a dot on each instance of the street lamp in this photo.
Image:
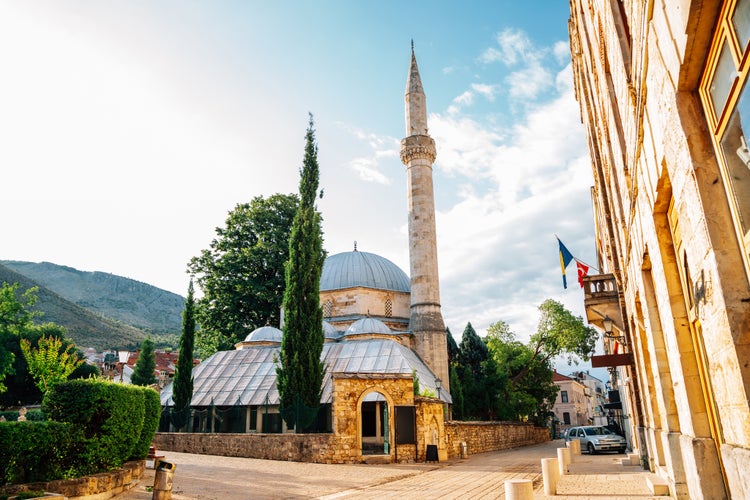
(124, 356)
(438, 383)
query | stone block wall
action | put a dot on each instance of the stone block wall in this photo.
(482, 437)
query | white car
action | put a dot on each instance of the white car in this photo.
(595, 438)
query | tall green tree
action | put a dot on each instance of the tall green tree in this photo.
(143, 371)
(242, 273)
(182, 389)
(300, 373)
(477, 377)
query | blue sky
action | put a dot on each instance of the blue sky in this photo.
(130, 128)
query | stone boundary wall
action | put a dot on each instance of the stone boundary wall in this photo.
(96, 486)
(328, 448)
(481, 437)
(316, 448)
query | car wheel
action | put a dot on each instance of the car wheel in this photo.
(590, 448)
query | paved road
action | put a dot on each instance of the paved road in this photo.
(204, 477)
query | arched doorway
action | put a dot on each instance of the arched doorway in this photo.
(375, 424)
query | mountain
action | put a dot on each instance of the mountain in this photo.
(85, 328)
(143, 306)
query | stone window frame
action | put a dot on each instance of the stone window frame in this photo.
(726, 40)
(564, 396)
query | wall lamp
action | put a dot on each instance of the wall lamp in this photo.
(608, 325)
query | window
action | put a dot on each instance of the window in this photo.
(388, 307)
(327, 309)
(566, 420)
(725, 95)
(564, 396)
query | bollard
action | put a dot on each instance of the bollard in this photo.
(519, 489)
(572, 447)
(575, 446)
(563, 458)
(163, 480)
(550, 475)
(464, 450)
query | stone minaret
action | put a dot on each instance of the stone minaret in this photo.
(418, 153)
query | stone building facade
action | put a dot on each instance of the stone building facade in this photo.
(661, 88)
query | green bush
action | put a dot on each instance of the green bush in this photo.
(110, 414)
(38, 451)
(152, 413)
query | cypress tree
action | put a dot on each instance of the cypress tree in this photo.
(300, 374)
(143, 371)
(182, 390)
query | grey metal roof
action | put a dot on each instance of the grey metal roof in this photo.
(330, 331)
(362, 269)
(248, 376)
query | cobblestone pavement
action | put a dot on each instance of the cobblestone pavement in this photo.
(204, 477)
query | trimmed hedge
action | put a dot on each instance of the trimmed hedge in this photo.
(38, 451)
(93, 426)
(152, 413)
(110, 414)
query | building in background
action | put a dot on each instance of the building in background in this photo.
(661, 88)
(573, 404)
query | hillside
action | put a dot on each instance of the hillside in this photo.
(138, 304)
(84, 327)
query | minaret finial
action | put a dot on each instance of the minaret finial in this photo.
(355, 245)
(412, 45)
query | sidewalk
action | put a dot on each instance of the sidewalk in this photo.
(204, 477)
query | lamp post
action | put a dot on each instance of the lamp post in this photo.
(124, 356)
(608, 325)
(438, 384)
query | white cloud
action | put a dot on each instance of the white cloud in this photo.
(488, 91)
(368, 171)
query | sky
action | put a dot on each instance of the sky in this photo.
(130, 129)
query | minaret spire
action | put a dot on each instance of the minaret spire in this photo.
(418, 154)
(416, 103)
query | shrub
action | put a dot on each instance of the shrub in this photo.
(111, 416)
(38, 451)
(152, 414)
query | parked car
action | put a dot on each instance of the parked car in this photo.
(596, 438)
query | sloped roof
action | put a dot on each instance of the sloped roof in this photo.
(248, 376)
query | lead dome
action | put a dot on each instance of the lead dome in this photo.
(362, 269)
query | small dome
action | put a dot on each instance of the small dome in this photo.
(329, 331)
(265, 334)
(368, 325)
(362, 269)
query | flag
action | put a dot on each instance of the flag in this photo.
(565, 258)
(583, 271)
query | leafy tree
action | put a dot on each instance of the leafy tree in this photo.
(15, 320)
(300, 374)
(242, 273)
(49, 363)
(477, 378)
(143, 371)
(526, 390)
(182, 389)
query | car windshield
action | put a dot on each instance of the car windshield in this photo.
(597, 431)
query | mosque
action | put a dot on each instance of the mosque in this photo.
(385, 390)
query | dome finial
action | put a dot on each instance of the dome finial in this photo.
(355, 245)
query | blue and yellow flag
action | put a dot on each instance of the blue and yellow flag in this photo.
(565, 259)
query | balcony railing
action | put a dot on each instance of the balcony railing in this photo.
(601, 299)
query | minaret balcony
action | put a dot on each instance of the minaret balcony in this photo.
(602, 300)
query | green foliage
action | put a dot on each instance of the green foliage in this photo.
(300, 374)
(526, 388)
(453, 350)
(182, 387)
(475, 379)
(38, 451)
(561, 333)
(242, 273)
(15, 320)
(143, 371)
(415, 382)
(49, 363)
(151, 416)
(111, 417)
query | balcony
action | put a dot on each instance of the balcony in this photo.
(601, 299)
